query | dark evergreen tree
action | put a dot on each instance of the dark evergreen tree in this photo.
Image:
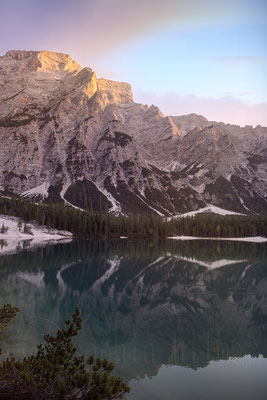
(56, 372)
(92, 224)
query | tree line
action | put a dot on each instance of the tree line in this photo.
(92, 224)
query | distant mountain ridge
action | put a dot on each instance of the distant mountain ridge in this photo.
(68, 136)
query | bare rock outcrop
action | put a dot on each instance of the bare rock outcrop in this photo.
(68, 136)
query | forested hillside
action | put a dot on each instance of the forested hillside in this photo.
(103, 225)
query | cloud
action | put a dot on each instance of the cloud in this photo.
(226, 109)
(241, 59)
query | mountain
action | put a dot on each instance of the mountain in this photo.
(68, 136)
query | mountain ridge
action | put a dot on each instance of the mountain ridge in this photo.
(69, 136)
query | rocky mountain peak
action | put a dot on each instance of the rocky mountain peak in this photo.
(68, 136)
(51, 61)
(187, 123)
(45, 61)
(46, 78)
(121, 92)
(19, 54)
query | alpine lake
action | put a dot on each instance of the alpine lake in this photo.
(180, 320)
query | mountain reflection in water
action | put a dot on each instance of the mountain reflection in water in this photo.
(145, 304)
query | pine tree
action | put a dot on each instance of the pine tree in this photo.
(57, 372)
(4, 228)
(7, 312)
(19, 224)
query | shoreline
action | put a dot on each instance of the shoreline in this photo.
(253, 239)
(15, 240)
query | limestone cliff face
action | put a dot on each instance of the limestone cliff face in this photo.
(68, 136)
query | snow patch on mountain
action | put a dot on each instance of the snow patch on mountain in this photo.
(41, 190)
(62, 193)
(208, 209)
(116, 208)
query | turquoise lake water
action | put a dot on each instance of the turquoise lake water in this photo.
(180, 320)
